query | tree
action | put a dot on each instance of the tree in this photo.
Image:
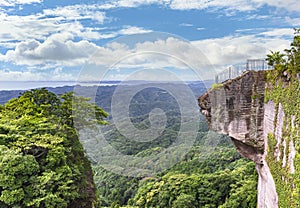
(293, 54)
(288, 62)
(184, 201)
(42, 161)
(275, 58)
(16, 172)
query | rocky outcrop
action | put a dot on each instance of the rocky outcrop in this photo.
(236, 108)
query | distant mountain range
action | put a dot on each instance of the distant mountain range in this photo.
(106, 90)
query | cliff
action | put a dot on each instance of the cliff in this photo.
(256, 123)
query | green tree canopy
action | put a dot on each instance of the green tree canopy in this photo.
(42, 162)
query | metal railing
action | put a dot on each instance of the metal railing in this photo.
(236, 70)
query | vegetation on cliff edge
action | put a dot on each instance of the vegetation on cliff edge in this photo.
(284, 88)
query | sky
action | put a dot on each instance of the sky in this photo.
(62, 40)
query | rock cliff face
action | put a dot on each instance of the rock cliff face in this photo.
(236, 108)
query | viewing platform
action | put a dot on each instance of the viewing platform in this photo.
(236, 70)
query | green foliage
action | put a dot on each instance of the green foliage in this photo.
(16, 171)
(113, 188)
(216, 86)
(275, 58)
(208, 176)
(42, 162)
(184, 201)
(283, 87)
(283, 179)
(215, 189)
(287, 64)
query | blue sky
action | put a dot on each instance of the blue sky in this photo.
(55, 40)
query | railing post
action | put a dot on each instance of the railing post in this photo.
(217, 79)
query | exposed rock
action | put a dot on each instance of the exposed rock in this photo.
(237, 109)
(292, 149)
(278, 131)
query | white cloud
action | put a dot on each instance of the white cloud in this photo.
(173, 52)
(186, 25)
(15, 28)
(131, 30)
(17, 2)
(159, 54)
(228, 5)
(55, 75)
(130, 3)
(19, 75)
(289, 5)
(170, 52)
(57, 49)
(202, 56)
(278, 32)
(235, 5)
(126, 30)
(236, 49)
(293, 21)
(62, 50)
(41, 48)
(77, 12)
(241, 5)
(257, 17)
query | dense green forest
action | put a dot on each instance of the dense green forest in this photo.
(209, 176)
(43, 164)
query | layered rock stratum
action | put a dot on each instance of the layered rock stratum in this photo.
(237, 108)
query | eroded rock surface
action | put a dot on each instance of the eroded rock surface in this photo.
(236, 108)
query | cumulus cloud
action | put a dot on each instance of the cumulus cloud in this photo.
(169, 52)
(40, 26)
(203, 56)
(62, 50)
(165, 53)
(14, 29)
(236, 49)
(58, 48)
(172, 52)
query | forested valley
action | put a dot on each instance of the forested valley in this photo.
(43, 162)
